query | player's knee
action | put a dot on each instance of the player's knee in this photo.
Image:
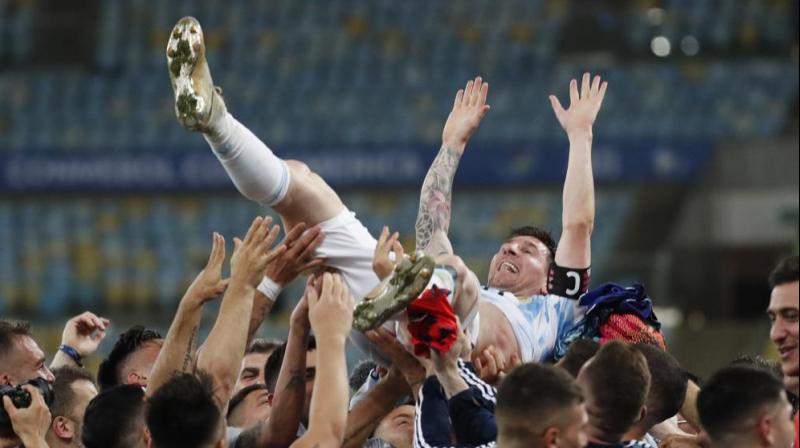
(298, 168)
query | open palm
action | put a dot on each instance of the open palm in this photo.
(583, 106)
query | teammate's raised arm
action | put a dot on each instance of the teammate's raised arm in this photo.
(433, 218)
(574, 247)
(178, 352)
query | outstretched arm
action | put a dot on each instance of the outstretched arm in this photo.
(300, 245)
(224, 348)
(574, 247)
(177, 355)
(433, 218)
(331, 316)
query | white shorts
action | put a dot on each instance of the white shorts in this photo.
(349, 248)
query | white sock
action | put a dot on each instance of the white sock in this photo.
(258, 173)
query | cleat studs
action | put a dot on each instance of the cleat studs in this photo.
(193, 29)
(413, 257)
(425, 274)
(171, 53)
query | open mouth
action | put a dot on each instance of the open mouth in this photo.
(510, 267)
(787, 351)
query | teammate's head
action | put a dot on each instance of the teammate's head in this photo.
(540, 405)
(273, 368)
(182, 412)
(397, 428)
(523, 261)
(667, 386)
(616, 381)
(783, 312)
(252, 371)
(73, 389)
(577, 355)
(115, 419)
(746, 406)
(21, 359)
(249, 406)
(131, 359)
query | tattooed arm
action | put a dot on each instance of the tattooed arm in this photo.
(222, 353)
(290, 389)
(331, 315)
(433, 218)
(177, 353)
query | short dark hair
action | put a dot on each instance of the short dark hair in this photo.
(9, 332)
(540, 234)
(263, 346)
(63, 395)
(618, 381)
(239, 397)
(577, 354)
(667, 384)
(272, 368)
(114, 417)
(360, 373)
(109, 371)
(529, 399)
(734, 394)
(787, 271)
(182, 412)
(759, 362)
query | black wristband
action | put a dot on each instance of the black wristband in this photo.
(568, 282)
(72, 353)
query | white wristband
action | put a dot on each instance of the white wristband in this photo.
(269, 288)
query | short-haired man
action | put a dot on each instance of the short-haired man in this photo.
(253, 363)
(131, 359)
(249, 406)
(577, 355)
(746, 407)
(783, 312)
(182, 412)
(540, 406)
(616, 382)
(73, 389)
(667, 392)
(21, 359)
(115, 419)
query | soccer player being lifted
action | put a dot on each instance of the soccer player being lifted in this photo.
(531, 298)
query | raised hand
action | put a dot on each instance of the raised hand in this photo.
(300, 246)
(331, 311)
(583, 107)
(251, 256)
(469, 109)
(381, 263)
(209, 283)
(411, 369)
(84, 333)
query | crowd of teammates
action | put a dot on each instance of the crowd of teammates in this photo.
(520, 362)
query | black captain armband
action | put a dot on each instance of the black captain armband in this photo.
(568, 282)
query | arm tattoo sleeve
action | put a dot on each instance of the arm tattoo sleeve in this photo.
(435, 197)
(190, 349)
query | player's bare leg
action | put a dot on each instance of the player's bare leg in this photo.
(289, 187)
